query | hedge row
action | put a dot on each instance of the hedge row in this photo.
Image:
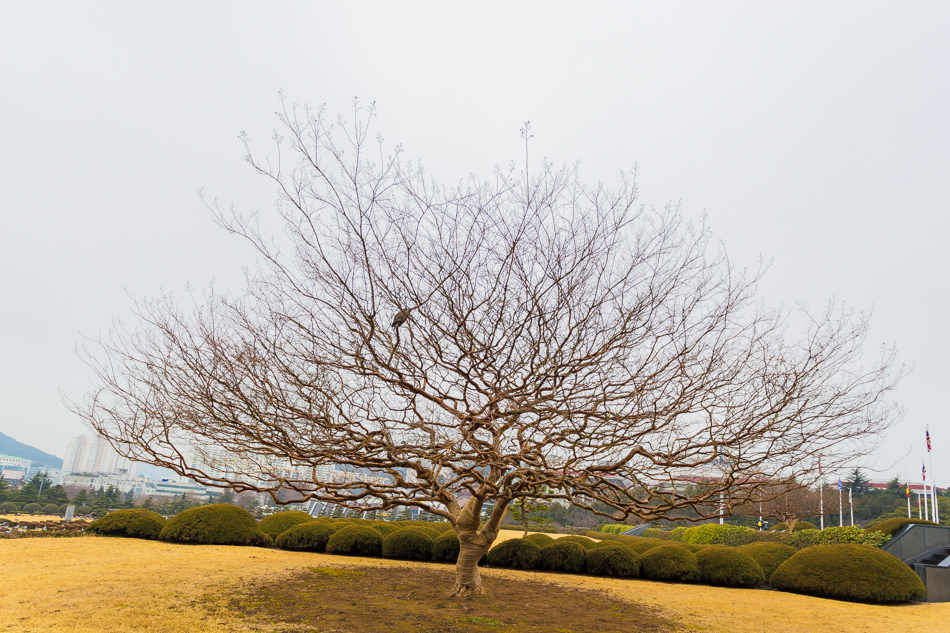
(734, 535)
(844, 571)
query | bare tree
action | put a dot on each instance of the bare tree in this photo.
(523, 337)
(788, 502)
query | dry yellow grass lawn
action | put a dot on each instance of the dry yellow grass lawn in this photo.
(110, 584)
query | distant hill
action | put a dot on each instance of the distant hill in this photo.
(9, 446)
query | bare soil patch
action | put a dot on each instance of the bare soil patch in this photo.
(403, 600)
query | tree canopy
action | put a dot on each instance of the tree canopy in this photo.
(526, 336)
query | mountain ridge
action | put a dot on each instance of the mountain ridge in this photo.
(10, 446)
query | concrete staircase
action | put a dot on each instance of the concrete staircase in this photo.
(926, 549)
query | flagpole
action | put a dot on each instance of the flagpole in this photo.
(821, 501)
(926, 494)
(840, 506)
(933, 479)
(908, 501)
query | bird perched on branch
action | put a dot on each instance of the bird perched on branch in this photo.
(401, 317)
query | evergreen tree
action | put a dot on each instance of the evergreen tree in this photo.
(858, 482)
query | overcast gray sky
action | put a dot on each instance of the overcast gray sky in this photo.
(815, 136)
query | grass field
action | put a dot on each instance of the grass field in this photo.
(109, 584)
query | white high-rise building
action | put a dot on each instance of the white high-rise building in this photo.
(96, 456)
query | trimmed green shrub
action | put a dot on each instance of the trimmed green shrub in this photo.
(799, 526)
(583, 541)
(768, 555)
(408, 544)
(693, 547)
(679, 532)
(216, 524)
(539, 539)
(386, 528)
(356, 540)
(31, 508)
(277, 523)
(134, 523)
(515, 553)
(615, 528)
(669, 562)
(728, 566)
(613, 559)
(834, 535)
(715, 534)
(50, 508)
(311, 536)
(849, 572)
(564, 555)
(63, 508)
(663, 535)
(441, 526)
(428, 531)
(892, 526)
(642, 545)
(445, 549)
(83, 510)
(8, 508)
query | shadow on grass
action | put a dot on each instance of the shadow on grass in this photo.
(401, 600)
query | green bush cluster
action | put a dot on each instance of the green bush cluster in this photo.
(715, 534)
(614, 528)
(890, 527)
(540, 539)
(834, 535)
(728, 566)
(445, 549)
(133, 523)
(613, 559)
(515, 553)
(409, 544)
(849, 572)
(310, 536)
(356, 540)
(31, 508)
(657, 533)
(8, 507)
(215, 524)
(564, 555)
(768, 555)
(583, 541)
(669, 562)
(275, 524)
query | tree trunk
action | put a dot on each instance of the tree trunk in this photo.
(473, 544)
(790, 525)
(468, 580)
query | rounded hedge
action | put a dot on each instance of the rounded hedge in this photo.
(63, 508)
(355, 540)
(643, 545)
(408, 544)
(31, 508)
(539, 539)
(849, 572)
(892, 526)
(385, 529)
(8, 507)
(427, 530)
(275, 524)
(583, 541)
(134, 523)
(84, 510)
(564, 555)
(515, 553)
(445, 549)
(723, 565)
(311, 536)
(215, 524)
(768, 555)
(669, 562)
(613, 560)
(50, 508)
